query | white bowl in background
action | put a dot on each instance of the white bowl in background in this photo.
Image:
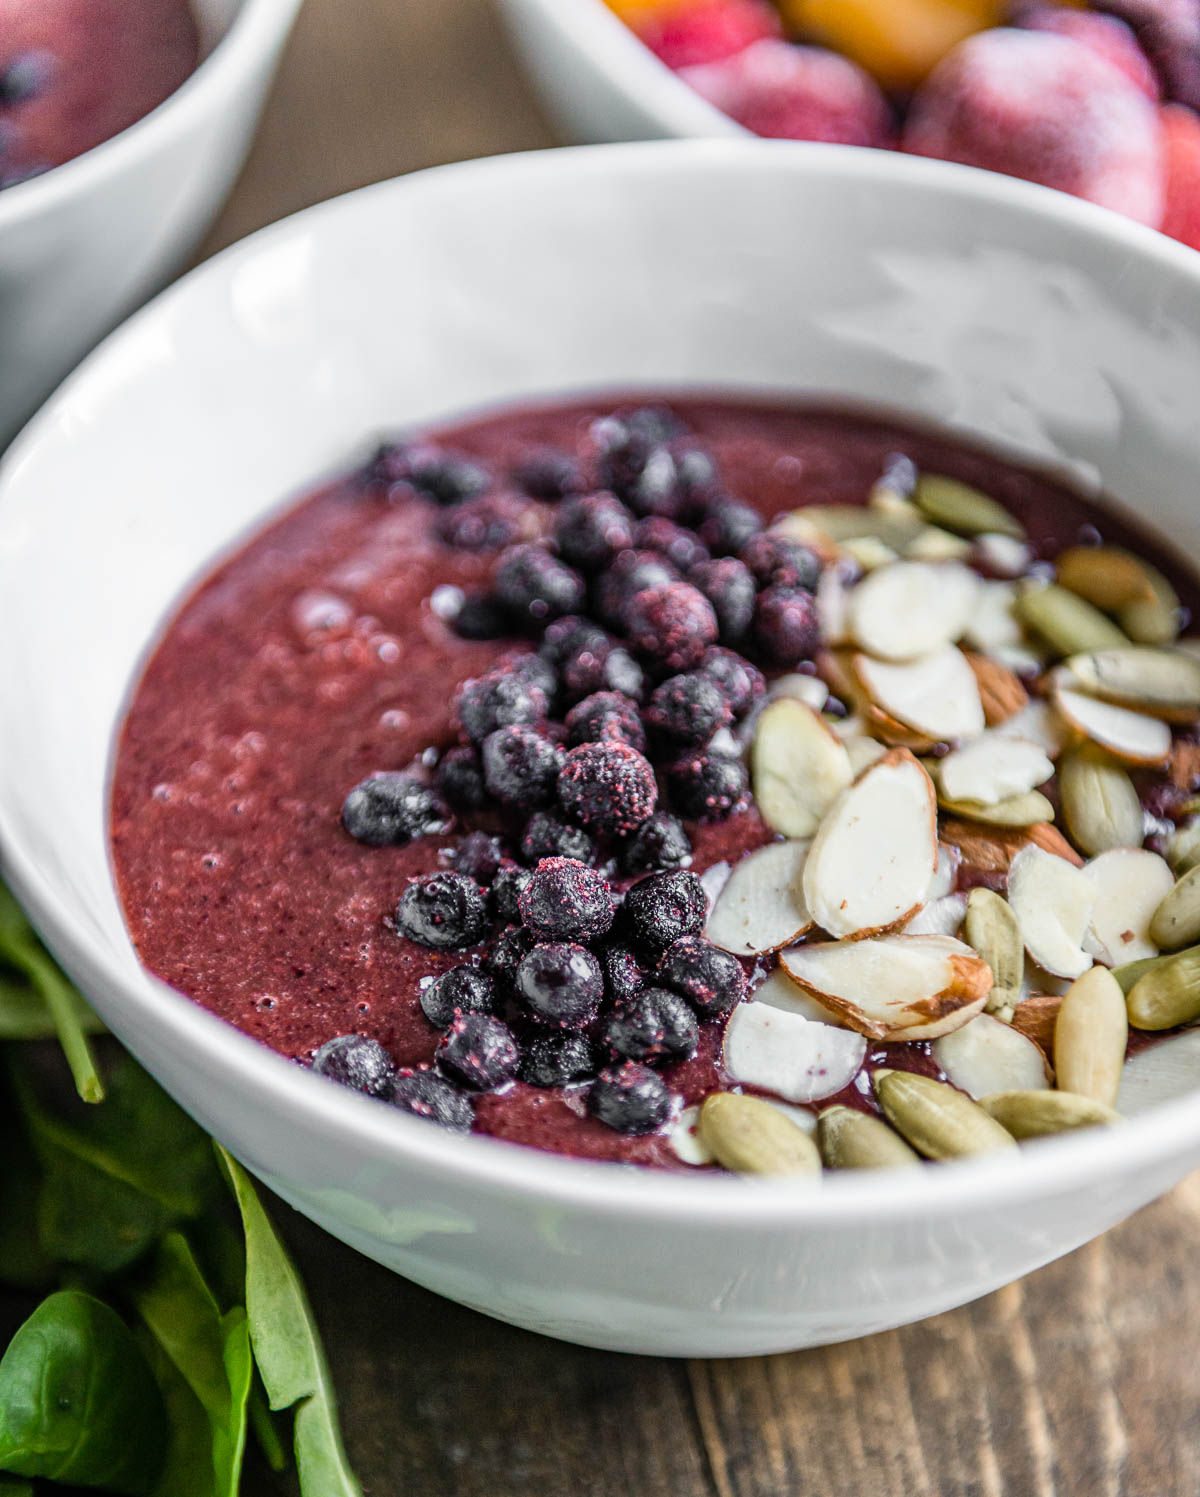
(1054, 330)
(85, 243)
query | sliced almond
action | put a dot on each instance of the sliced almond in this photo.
(1025, 810)
(988, 1056)
(895, 526)
(1163, 683)
(777, 990)
(894, 987)
(1002, 555)
(808, 689)
(1130, 885)
(1130, 736)
(1035, 1017)
(936, 545)
(1183, 767)
(863, 753)
(872, 861)
(1040, 724)
(799, 767)
(945, 875)
(1156, 620)
(832, 598)
(1089, 1038)
(1099, 801)
(796, 1058)
(761, 907)
(958, 506)
(894, 734)
(1053, 904)
(685, 1140)
(991, 849)
(869, 552)
(1000, 690)
(992, 768)
(937, 696)
(912, 608)
(1065, 621)
(940, 917)
(994, 622)
(1160, 1074)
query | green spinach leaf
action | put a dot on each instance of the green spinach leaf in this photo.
(23, 1264)
(187, 1470)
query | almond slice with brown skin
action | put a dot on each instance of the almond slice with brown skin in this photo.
(936, 696)
(940, 917)
(1130, 885)
(908, 609)
(873, 859)
(1052, 901)
(799, 767)
(1130, 736)
(991, 849)
(777, 990)
(761, 906)
(1162, 683)
(987, 1055)
(1000, 689)
(784, 1053)
(992, 768)
(994, 623)
(1035, 1017)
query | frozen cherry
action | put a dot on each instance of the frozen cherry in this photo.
(741, 682)
(535, 586)
(729, 586)
(561, 983)
(427, 1095)
(478, 856)
(460, 779)
(498, 700)
(557, 1059)
(521, 765)
(467, 990)
(671, 626)
(659, 843)
(728, 526)
(444, 911)
(605, 716)
(787, 627)
(708, 786)
(630, 1099)
(608, 787)
(710, 979)
(565, 900)
(776, 559)
(654, 1026)
(355, 1061)
(549, 835)
(687, 709)
(592, 529)
(387, 810)
(478, 1051)
(662, 907)
(623, 975)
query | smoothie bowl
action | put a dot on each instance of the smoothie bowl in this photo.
(274, 778)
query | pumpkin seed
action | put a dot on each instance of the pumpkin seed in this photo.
(958, 506)
(934, 544)
(1165, 683)
(1065, 621)
(1167, 993)
(1037, 1114)
(1107, 576)
(853, 522)
(1176, 922)
(1129, 972)
(939, 1121)
(750, 1137)
(1089, 1037)
(853, 1140)
(1154, 620)
(1015, 810)
(991, 929)
(1099, 801)
(1183, 846)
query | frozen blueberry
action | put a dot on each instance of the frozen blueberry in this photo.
(549, 835)
(387, 810)
(549, 474)
(603, 717)
(481, 616)
(498, 700)
(778, 561)
(623, 442)
(786, 625)
(556, 1059)
(671, 626)
(478, 1051)
(566, 637)
(521, 765)
(510, 948)
(536, 672)
(478, 856)
(608, 787)
(655, 1026)
(729, 587)
(630, 1099)
(659, 843)
(729, 526)
(741, 682)
(565, 900)
(355, 1061)
(467, 990)
(445, 911)
(630, 574)
(671, 480)
(683, 548)
(561, 983)
(506, 888)
(445, 477)
(687, 709)
(535, 586)
(486, 524)
(623, 975)
(662, 907)
(460, 779)
(710, 979)
(427, 1095)
(609, 669)
(592, 529)
(708, 786)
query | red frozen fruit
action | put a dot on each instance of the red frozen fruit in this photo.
(1168, 32)
(1107, 36)
(1181, 135)
(1046, 108)
(685, 34)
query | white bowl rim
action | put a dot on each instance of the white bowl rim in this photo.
(495, 1166)
(254, 30)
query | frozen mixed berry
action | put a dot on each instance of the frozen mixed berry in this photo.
(729, 586)
(507, 953)
(479, 856)
(478, 1051)
(355, 1061)
(592, 529)
(605, 716)
(687, 709)
(565, 900)
(682, 548)
(549, 835)
(656, 1026)
(608, 787)
(741, 682)
(566, 637)
(658, 489)
(787, 627)
(557, 1059)
(608, 669)
(704, 30)
(387, 810)
(498, 700)
(661, 842)
(671, 626)
(521, 765)
(506, 888)
(622, 443)
(710, 979)
(662, 907)
(536, 672)
(776, 559)
(480, 616)
(623, 975)
(444, 911)
(549, 474)
(467, 990)
(729, 525)
(446, 477)
(535, 586)
(459, 778)
(427, 1095)
(487, 524)
(708, 786)
(630, 574)
(630, 1099)
(561, 983)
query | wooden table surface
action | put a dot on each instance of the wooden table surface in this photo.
(1082, 1381)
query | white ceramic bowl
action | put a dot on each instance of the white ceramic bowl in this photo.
(1024, 317)
(84, 244)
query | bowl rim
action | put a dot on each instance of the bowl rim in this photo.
(257, 27)
(494, 1166)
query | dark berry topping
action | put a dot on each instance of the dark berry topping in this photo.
(521, 765)
(659, 843)
(390, 809)
(777, 560)
(460, 779)
(557, 1059)
(355, 1061)
(565, 900)
(445, 477)
(592, 529)
(710, 979)
(671, 626)
(510, 949)
(687, 709)
(630, 1099)
(729, 526)
(630, 574)
(608, 787)
(498, 700)
(467, 990)
(536, 672)
(549, 474)
(605, 716)
(607, 669)
(535, 586)
(623, 444)
(427, 1095)
(672, 481)
(561, 983)
(623, 975)
(486, 524)
(478, 856)
(786, 625)
(682, 548)
(549, 835)
(445, 911)
(506, 890)
(741, 682)
(664, 906)
(25, 76)
(481, 616)
(478, 1051)
(655, 1026)
(567, 637)
(730, 588)
(708, 787)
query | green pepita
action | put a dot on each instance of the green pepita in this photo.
(938, 1120)
(1100, 803)
(1167, 993)
(1176, 922)
(1037, 1114)
(1065, 621)
(750, 1137)
(853, 1140)
(959, 507)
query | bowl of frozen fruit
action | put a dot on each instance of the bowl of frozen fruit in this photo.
(122, 125)
(623, 726)
(1100, 101)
